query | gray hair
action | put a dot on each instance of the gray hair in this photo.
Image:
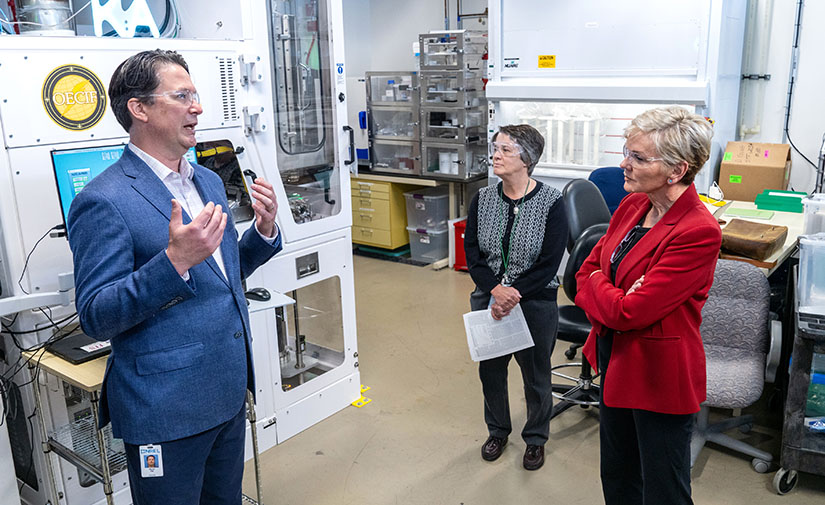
(137, 77)
(677, 134)
(530, 141)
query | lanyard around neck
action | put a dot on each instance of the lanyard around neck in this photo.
(505, 257)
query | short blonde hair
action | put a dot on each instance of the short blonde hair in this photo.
(677, 134)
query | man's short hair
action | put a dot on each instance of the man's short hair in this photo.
(137, 77)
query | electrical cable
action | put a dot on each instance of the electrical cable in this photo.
(28, 256)
(166, 16)
(792, 82)
(176, 25)
(6, 329)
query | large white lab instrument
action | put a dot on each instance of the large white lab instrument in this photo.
(271, 77)
(579, 72)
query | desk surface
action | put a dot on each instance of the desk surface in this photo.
(398, 179)
(87, 376)
(792, 220)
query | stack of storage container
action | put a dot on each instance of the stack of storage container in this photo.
(427, 213)
(392, 105)
(453, 106)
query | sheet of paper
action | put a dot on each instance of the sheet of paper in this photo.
(488, 338)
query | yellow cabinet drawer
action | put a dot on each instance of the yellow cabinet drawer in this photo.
(371, 236)
(368, 193)
(373, 205)
(375, 187)
(370, 219)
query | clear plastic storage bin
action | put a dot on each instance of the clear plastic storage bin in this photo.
(428, 245)
(811, 287)
(396, 157)
(427, 208)
(394, 123)
(814, 214)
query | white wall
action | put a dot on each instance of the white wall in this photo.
(379, 36)
(763, 111)
(357, 34)
(807, 123)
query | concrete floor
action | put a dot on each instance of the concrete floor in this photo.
(419, 440)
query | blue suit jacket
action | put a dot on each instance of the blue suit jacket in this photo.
(181, 351)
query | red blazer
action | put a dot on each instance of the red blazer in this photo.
(657, 362)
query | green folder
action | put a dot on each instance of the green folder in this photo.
(785, 201)
(751, 213)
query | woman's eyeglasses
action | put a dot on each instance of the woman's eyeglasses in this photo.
(183, 96)
(636, 158)
(624, 245)
(509, 149)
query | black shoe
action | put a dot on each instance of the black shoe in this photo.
(492, 448)
(533, 457)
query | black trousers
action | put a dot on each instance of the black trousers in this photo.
(542, 318)
(645, 457)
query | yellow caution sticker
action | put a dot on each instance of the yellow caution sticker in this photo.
(360, 402)
(547, 61)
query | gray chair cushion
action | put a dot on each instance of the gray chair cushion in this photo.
(735, 334)
(735, 377)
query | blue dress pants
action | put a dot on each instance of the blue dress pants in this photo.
(204, 469)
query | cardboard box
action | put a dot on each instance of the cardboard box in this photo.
(748, 168)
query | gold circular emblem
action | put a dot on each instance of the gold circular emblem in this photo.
(74, 97)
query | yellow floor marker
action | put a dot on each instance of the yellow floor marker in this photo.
(364, 388)
(360, 402)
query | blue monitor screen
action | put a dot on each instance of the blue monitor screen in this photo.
(74, 168)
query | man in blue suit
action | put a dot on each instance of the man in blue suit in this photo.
(158, 267)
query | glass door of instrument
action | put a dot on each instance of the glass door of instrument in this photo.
(304, 110)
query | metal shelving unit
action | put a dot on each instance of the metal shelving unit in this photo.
(394, 133)
(453, 107)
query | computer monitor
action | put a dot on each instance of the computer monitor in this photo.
(74, 168)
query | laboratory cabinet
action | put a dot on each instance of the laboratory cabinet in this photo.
(379, 214)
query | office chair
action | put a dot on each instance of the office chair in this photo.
(610, 181)
(574, 327)
(585, 207)
(742, 348)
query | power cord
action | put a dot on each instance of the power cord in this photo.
(59, 227)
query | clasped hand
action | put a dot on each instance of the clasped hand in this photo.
(636, 285)
(506, 298)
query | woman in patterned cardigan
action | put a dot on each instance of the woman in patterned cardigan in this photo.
(514, 242)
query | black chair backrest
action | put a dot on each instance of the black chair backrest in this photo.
(581, 250)
(585, 207)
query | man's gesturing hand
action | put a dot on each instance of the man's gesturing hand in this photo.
(189, 244)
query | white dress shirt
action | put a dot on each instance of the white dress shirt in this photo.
(183, 189)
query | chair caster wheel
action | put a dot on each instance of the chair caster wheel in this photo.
(570, 353)
(760, 465)
(784, 481)
(746, 428)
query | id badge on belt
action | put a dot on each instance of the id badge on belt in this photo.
(151, 461)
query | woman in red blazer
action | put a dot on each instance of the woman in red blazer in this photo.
(643, 288)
